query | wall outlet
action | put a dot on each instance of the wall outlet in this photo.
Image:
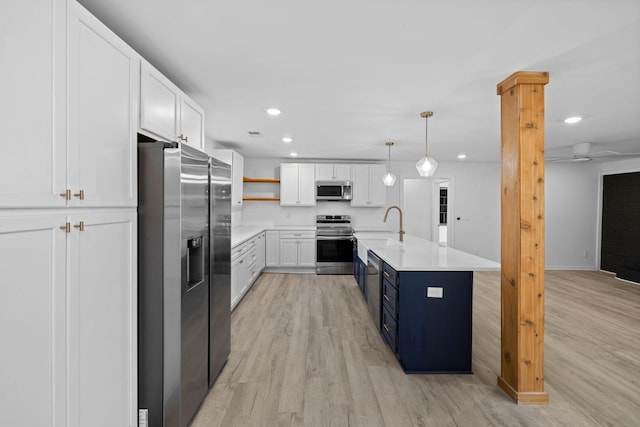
(585, 254)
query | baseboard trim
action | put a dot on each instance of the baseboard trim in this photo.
(524, 398)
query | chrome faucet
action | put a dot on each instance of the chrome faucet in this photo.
(401, 232)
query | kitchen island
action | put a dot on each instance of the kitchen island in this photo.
(426, 298)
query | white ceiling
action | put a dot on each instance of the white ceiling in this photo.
(352, 74)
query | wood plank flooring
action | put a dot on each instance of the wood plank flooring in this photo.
(305, 353)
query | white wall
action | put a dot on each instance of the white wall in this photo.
(571, 211)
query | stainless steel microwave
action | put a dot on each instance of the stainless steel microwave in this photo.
(333, 190)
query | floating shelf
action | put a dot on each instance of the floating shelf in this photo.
(270, 180)
(263, 199)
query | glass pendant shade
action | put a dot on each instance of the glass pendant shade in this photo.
(426, 166)
(389, 179)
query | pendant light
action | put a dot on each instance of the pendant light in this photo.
(389, 178)
(427, 165)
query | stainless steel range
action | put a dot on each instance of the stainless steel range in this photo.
(334, 244)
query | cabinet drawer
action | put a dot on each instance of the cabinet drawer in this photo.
(390, 298)
(390, 274)
(298, 234)
(389, 330)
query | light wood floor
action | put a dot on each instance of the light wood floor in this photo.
(305, 353)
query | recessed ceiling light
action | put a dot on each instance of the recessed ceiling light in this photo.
(273, 111)
(293, 154)
(572, 120)
(287, 139)
(462, 156)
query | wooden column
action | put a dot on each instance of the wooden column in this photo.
(522, 278)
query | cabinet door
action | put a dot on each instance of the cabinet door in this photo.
(289, 184)
(159, 103)
(377, 190)
(102, 319)
(102, 143)
(324, 172)
(307, 253)
(191, 123)
(272, 249)
(307, 184)
(360, 188)
(237, 183)
(342, 172)
(260, 251)
(32, 320)
(33, 114)
(236, 280)
(288, 253)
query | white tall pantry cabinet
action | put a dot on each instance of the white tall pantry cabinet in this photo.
(68, 223)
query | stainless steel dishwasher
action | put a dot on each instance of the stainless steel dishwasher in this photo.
(374, 272)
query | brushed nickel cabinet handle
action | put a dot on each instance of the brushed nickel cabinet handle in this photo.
(386, 274)
(386, 297)
(386, 328)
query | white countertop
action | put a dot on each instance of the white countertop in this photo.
(417, 254)
(245, 232)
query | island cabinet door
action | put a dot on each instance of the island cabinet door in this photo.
(434, 321)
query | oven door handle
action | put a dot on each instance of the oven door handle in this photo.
(334, 238)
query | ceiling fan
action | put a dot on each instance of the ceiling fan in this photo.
(581, 152)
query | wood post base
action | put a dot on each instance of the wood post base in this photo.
(524, 398)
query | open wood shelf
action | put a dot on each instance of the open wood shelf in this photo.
(270, 180)
(263, 199)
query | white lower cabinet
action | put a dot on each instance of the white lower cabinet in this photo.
(272, 248)
(247, 262)
(68, 318)
(297, 249)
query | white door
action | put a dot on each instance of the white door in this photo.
(159, 103)
(32, 320)
(342, 172)
(191, 123)
(417, 207)
(102, 320)
(272, 249)
(33, 79)
(103, 86)
(324, 172)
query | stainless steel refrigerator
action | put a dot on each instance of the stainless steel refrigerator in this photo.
(173, 284)
(219, 267)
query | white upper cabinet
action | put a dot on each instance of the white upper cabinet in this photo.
(103, 92)
(191, 123)
(159, 103)
(297, 184)
(167, 112)
(333, 172)
(368, 188)
(33, 114)
(237, 172)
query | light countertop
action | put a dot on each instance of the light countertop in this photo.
(417, 254)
